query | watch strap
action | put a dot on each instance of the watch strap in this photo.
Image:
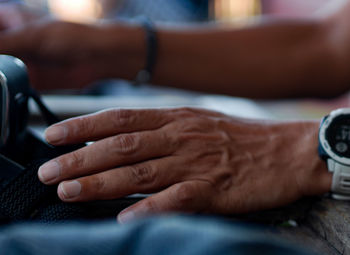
(341, 180)
(145, 75)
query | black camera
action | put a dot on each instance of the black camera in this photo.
(14, 93)
(18, 145)
(17, 142)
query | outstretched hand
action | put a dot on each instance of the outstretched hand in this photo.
(62, 55)
(192, 160)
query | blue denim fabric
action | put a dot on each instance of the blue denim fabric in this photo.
(172, 235)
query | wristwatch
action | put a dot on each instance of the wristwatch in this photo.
(334, 148)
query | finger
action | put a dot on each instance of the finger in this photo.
(103, 124)
(190, 197)
(108, 153)
(145, 177)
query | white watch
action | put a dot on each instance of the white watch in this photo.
(334, 147)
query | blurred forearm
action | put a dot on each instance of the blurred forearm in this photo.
(276, 59)
(273, 60)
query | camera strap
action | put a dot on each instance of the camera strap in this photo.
(47, 114)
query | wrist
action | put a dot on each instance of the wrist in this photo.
(313, 175)
(291, 150)
(122, 51)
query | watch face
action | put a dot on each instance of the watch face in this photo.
(338, 135)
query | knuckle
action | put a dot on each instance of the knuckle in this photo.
(193, 127)
(190, 131)
(85, 126)
(125, 144)
(142, 174)
(120, 118)
(186, 112)
(77, 160)
(184, 194)
(99, 184)
(151, 205)
(95, 187)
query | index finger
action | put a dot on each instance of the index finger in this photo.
(103, 124)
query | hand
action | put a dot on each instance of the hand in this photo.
(63, 55)
(193, 160)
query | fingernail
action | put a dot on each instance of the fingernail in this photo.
(49, 171)
(133, 213)
(70, 189)
(126, 216)
(55, 134)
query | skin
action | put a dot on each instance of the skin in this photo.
(193, 160)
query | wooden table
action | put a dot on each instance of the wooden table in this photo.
(320, 224)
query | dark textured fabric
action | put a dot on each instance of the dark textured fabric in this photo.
(26, 198)
(59, 212)
(20, 198)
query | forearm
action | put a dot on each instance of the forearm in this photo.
(285, 59)
(279, 59)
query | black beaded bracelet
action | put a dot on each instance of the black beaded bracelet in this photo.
(145, 75)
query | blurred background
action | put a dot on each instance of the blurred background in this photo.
(173, 10)
(119, 93)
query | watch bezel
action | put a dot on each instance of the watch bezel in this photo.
(322, 135)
